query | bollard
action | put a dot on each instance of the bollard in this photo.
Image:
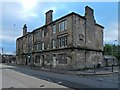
(94, 69)
(112, 67)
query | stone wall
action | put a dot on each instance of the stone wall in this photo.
(88, 39)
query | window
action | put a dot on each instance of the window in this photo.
(53, 44)
(54, 28)
(59, 27)
(60, 42)
(37, 36)
(42, 33)
(63, 41)
(62, 58)
(63, 25)
(42, 45)
(39, 46)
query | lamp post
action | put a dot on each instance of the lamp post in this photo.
(112, 47)
(112, 54)
(93, 67)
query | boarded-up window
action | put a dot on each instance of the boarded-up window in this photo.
(62, 58)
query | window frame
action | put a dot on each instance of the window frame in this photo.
(54, 28)
(42, 46)
(65, 24)
(53, 43)
(66, 40)
(59, 26)
(42, 33)
(62, 26)
(63, 41)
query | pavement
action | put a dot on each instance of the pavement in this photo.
(14, 79)
(99, 71)
(85, 72)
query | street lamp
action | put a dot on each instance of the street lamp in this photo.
(112, 54)
(112, 47)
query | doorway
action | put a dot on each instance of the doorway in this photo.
(54, 60)
(43, 61)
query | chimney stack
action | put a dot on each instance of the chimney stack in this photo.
(49, 16)
(24, 29)
(89, 13)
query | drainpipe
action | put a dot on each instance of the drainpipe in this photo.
(85, 42)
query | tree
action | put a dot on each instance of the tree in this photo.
(116, 50)
(107, 49)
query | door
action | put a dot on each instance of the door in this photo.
(54, 60)
(43, 61)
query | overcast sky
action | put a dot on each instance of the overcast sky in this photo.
(32, 13)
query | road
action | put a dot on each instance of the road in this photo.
(29, 78)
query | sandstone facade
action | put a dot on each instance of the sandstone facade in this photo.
(70, 42)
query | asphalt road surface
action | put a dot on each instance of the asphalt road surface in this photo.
(28, 78)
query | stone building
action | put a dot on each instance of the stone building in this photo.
(7, 58)
(70, 42)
